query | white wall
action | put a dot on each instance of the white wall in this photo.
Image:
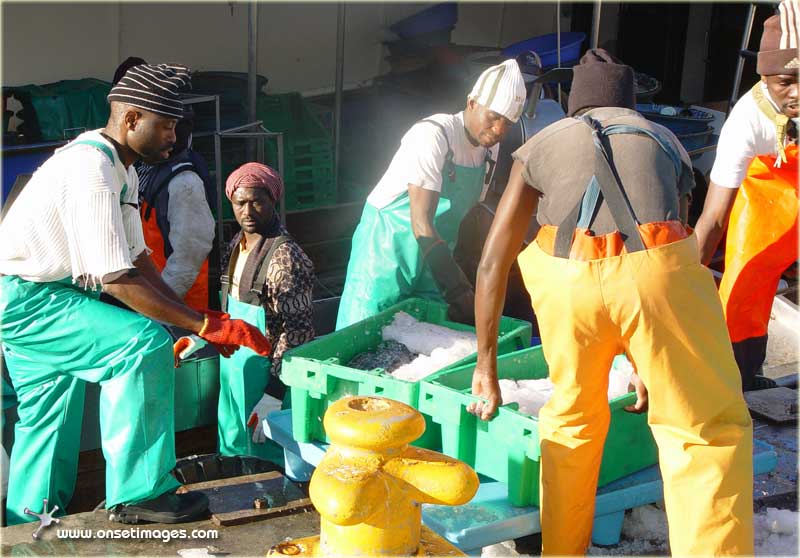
(44, 43)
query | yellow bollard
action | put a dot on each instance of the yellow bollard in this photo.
(370, 486)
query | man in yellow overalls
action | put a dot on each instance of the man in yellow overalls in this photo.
(614, 269)
(754, 181)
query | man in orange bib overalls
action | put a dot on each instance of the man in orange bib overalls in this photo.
(754, 180)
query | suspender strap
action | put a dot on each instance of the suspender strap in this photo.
(225, 287)
(255, 294)
(449, 165)
(613, 193)
(108, 153)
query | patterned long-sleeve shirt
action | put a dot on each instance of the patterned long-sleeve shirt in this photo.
(286, 299)
(288, 302)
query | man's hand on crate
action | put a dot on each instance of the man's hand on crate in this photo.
(638, 386)
(486, 386)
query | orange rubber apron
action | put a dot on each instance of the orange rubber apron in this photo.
(659, 305)
(761, 243)
(197, 296)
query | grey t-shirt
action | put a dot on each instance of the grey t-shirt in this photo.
(559, 163)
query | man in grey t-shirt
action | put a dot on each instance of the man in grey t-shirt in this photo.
(614, 269)
(558, 163)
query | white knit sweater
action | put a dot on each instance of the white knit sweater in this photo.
(77, 217)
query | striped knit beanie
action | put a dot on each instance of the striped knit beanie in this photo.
(255, 175)
(154, 88)
(501, 89)
(777, 53)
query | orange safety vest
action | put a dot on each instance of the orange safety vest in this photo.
(197, 296)
(761, 243)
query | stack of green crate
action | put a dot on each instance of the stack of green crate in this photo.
(233, 155)
(307, 150)
(318, 375)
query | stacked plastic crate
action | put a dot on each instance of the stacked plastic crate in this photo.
(308, 150)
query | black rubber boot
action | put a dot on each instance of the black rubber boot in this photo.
(761, 382)
(750, 355)
(167, 508)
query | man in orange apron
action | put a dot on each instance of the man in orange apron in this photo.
(614, 269)
(754, 192)
(176, 198)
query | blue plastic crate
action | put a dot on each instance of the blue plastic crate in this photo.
(489, 518)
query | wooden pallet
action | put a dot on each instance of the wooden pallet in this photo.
(232, 500)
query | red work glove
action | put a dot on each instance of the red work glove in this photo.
(216, 313)
(224, 331)
(224, 350)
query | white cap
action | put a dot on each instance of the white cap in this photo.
(501, 89)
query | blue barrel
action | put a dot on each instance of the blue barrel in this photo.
(546, 46)
(436, 18)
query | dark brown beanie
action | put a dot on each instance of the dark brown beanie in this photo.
(777, 53)
(600, 80)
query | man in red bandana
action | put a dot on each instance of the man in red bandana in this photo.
(267, 281)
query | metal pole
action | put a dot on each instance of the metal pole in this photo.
(218, 173)
(737, 79)
(595, 24)
(252, 60)
(280, 172)
(558, 44)
(337, 109)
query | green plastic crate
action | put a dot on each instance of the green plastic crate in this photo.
(307, 161)
(506, 448)
(196, 394)
(319, 174)
(317, 375)
(310, 195)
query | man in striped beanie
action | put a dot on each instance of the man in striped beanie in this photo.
(176, 197)
(72, 232)
(753, 192)
(403, 245)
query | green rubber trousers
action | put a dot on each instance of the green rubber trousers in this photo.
(56, 337)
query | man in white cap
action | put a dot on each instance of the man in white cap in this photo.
(403, 245)
(753, 192)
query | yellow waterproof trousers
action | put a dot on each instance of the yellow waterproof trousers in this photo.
(661, 307)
